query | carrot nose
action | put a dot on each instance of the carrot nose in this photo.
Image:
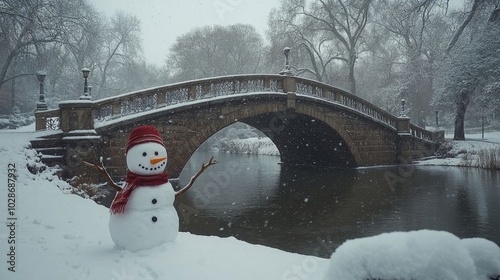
(155, 160)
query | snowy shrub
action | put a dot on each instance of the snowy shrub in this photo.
(34, 162)
(40, 170)
(418, 255)
(444, 150)
(451, 149)
(16, 120)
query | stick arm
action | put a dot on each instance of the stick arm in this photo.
(104, 172)
(204, 167)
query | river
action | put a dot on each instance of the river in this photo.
(312, 211)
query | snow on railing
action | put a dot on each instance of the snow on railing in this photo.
(421, 133)
(145, 100)
(330, 93)
(134, 102)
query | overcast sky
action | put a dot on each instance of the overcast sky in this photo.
(162, 21)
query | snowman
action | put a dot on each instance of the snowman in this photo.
(142, 213)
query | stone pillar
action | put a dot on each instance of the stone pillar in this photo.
(404, 141)
(40, 121)
(289, 84)
(438, 136)
(76, 115)
(80, 141)
(192, 93)
(403, 125)
(291, 101)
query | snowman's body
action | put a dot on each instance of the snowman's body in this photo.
(149, 217)
(147, 224)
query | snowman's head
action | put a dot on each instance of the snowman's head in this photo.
(148, 158)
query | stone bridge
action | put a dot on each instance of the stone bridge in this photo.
(311, 123)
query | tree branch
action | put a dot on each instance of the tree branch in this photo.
(461, 29)
(105, 173)
(204, 166)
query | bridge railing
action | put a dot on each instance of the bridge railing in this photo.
(145, 100)
(421, 133)
(330, 93)
(47, 120)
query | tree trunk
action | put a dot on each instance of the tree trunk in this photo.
(459, 120)
(352, 79)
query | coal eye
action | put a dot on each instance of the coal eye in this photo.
(144, 154)
(156, 153)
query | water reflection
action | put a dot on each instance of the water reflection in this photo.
(312, 211)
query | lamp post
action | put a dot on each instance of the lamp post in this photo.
(41, 105)
(437, 119)
(85, 95)
(403, 113)
(286, 71)
(482, 126)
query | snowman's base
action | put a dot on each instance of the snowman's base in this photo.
(141, 230)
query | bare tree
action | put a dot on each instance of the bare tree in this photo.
(62, 37)
(121, 45)
(461, 28)
(329, 30)
(214, 51)
(81, 44)
(473, 73)
(24, 27)
(419, 31)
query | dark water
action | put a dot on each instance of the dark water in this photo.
(313, 211)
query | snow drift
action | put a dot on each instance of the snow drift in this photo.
(422, 255)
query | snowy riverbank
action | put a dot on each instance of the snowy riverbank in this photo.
(52, 234)
(465, 152)
(249, 146)
(453, 152)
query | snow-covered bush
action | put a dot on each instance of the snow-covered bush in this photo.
(451, 149)
(38, 169)
(16, 120)
(423, 254)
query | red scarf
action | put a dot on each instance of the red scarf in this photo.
(134, 181)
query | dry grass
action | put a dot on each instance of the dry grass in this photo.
(489, 158)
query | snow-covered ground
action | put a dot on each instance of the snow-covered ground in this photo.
(51, 234)
(422, 254)
(464, 153)
(57, 235)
